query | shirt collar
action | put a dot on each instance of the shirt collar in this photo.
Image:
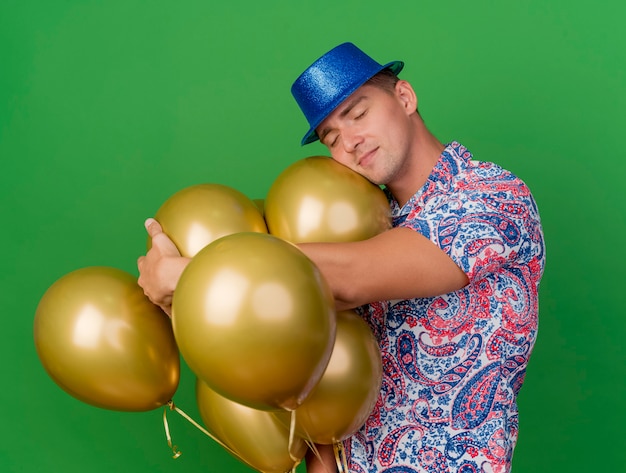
(453, 158)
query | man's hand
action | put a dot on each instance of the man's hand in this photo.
(160, 268)
(322, 461)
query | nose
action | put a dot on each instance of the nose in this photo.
(351, 138)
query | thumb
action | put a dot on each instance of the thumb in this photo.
(160, 241)
(153, 227)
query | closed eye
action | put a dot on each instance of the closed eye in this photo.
(330, 139)
(361, 115)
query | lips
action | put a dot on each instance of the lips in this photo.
(366, 158)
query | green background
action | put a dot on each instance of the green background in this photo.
(109, 107)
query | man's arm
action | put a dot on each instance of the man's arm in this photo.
(397, 264)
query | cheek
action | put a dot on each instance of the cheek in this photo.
(341, 158)
(399, 131)
(386, 123)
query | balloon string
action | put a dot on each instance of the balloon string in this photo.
(292, 434)
(340, 457)
(174, 448)
(177, 453)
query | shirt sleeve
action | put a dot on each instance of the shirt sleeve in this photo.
(482, 230)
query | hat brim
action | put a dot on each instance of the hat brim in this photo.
(311, 135)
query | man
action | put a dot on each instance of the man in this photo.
(450, 291)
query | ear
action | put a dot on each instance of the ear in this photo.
(406, 95)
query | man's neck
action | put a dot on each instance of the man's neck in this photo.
(426, 152)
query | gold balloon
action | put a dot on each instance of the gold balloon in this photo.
(253, 436)
(345, 396)
(197, 215)
(102, 341)
(260, 203)
(255, 320)
(317, 199)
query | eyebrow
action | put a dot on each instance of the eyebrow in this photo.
(343, 113)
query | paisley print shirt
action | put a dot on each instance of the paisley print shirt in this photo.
(453, 364)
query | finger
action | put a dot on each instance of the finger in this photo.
(140, 262)
(162, 245)
(153, 227)
(167, 309)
